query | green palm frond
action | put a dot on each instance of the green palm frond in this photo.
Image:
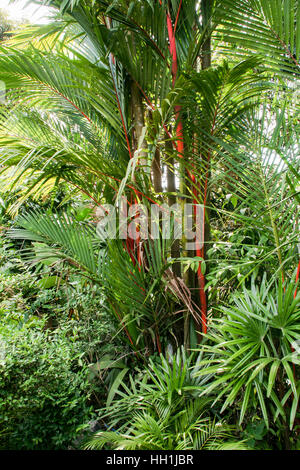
(58, 83)
(148, 433)
(260, 27)
(251, 348)
(60, 237)
(253, 154)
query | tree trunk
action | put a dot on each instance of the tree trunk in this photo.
(172, 199)
(138, 123)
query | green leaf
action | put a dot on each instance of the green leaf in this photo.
(272, 376)
(245, 402)
(262, 403)
(114, 387)
(49, 281)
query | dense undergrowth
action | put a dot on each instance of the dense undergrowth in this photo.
(64, 370)
(51, 339)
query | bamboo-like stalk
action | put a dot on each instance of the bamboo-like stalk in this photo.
(297, 279)
(206, 7)
(157, 172)
(180, 148)
(172, 199)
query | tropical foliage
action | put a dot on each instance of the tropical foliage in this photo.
(159, 103)
(251, 357)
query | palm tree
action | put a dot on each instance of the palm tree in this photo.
(251, 355)
(110, 96)
(162, 410)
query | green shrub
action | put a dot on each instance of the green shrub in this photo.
(44, 389)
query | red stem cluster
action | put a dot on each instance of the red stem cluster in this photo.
(180, 149)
